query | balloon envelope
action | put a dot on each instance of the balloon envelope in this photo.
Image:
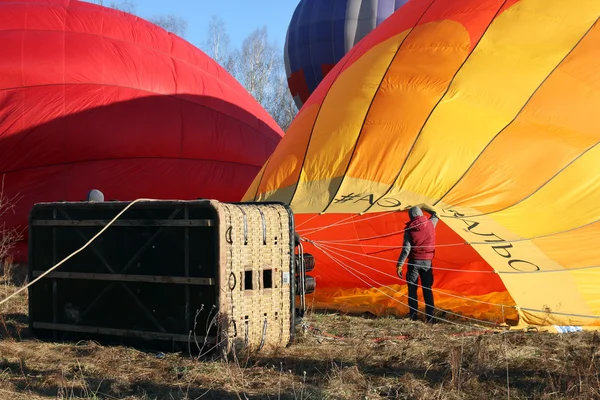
(484, 109)
(322, 32)
(94, 98)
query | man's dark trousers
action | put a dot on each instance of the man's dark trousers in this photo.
(424, 270)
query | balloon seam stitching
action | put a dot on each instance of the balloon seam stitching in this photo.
(12, 171)
(347, 57)
(436, 106)
(570, 52)
(371, 105)
(174, 96)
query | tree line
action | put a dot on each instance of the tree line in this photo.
(257, 64)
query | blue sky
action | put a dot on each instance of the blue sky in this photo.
(240, 16)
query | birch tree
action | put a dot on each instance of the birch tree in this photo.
(218, 44)
(171, 23)
(256, 65)
(121, 5)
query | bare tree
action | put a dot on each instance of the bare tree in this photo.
(261, 70)
(171, 23)
(8, 236)
(218, 44)
(256, 65)
(283, 108)
(122, 5)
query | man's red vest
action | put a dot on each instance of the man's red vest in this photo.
(422, 234)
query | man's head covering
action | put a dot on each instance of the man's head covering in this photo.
(95, 195)
(415, 212)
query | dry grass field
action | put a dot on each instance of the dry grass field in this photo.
(339, 357)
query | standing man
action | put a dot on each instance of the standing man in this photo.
(419, 248)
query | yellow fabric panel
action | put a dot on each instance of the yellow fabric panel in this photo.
(356, 195)
(283, 168)
(561, 119)
(416, 80)
(588, 281)
(252, 191)
(568, 201)
(341, 119)
(521, 265)
(580, 252)
(479, 104)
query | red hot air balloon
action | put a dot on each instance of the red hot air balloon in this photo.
(91, 97)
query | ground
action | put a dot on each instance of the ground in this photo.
(339, 357)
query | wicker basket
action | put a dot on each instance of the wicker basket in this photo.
(164, 272)
(256, 270)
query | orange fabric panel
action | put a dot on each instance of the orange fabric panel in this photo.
(404, 19)
(560, 119)
(284, 165)
(474, 15)
(578, 241)
(393, 300)
(413, 85)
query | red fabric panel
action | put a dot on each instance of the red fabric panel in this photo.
(372, 244)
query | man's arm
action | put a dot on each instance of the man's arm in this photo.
(404, 254)
(434, 216)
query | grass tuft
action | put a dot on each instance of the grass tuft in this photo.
(342, 357)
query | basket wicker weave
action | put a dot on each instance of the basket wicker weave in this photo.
(256, 274)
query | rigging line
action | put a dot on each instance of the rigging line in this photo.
(320, 228)
(390, 234)
(76, 251)
(432, 289)
(347, 268)
(561, 313)
(343, 222)
(467, 271)
(395, 261)
(473, 243)
(480, 301)
(306, 222)
(392, 247)
(379, 236)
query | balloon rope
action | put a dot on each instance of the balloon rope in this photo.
(338, 223)
(466, 298)
(306, 222)
(462, 270)
(350, 269)
(405, 281)
(547, 235)
(373, 237)
(76, 251)
(328, 246)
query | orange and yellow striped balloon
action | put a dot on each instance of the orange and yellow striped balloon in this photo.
(486, 110)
